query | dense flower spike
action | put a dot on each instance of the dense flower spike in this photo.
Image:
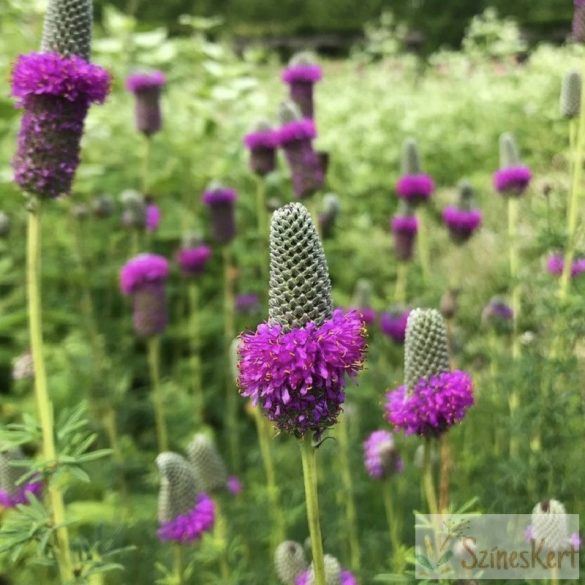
(207, 463)
(498, 314)
(579, 21)
(404, 227)
(461, 220)
(55, 93)
(361, 301)
(556, 263)
(143, 278)
(413, 186)
(247, 304)
(262, 143)
(295, 137)
(296, 365)
(12, 491)
(289, 561)
(550, 525)
(328, 215)
(381, 457)
(512, 178)
(147, 88)
(152, 217)
(301, 75)
(433, 398)
(571, 95)
(193, 261)
(184, 513)
(410, 157)
(221, 202)
(393, 323)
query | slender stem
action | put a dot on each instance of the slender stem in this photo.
(309, 460)
(195, 361)
(44, 406)
(423, 246)
(347, 494)
(401, 282)
(229, 334)
(313, 205)
(162, 438)
(390, 516)
(146, 164)
(222, 539)
(278, 525)
(179, 564)
(428, 483)
(135, 243)
(262, 218)
(513, 250)
(445, 455)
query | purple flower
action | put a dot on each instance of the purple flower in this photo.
(529, 534)
(367, 314)
(302, 72)
(512, 181)
(234, 485)
(247, 304)
(404, 229)
(262, 144)
(461, 223)
(415, 189)
(496, 309)
(143, 269)
(299, 377)
(575, 541)
(556, 264)
(20, 495)
(220, 201)
(147, 87)
(193, 260)
(152, 219)
(346, 578)
(381, 456)
(55, 93)
(436, 404)
(394, 323)
(190, 527)
(301, 78)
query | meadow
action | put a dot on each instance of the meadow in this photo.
(519, 444)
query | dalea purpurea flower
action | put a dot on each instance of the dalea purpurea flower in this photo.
(55, 88)
(381, 457)
(221, 201)
(143, 278)
(334, 574)
(262, 143)
(433, 398)
(146, 88)
(362, 300)
(289, 561)
(14, 492)
(462, 220)
(550, 526)
(404, 227)
(570, 102)
(556, 263)
(185, 514)
(414, 187)
(296, 365)
(393, 323)
(512, 178)
(207, 464)
(328, 215)
(247, 304)
(301, 75)
(193, 260)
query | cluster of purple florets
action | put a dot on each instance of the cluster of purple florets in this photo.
(193, 261)
(21, 495)
(141, 270)
(190, 527)
(415, 189)
(393, 324)
(556, 265)
(298, 377)
(381, 457)
(461, 223)
(512, 181)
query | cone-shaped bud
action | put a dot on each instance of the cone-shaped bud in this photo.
(410, 158)
(289, 112)
(571, 95)
(262, 142)
(426, 347)
(550, 525)
(103, 206)
(332, 573)
(67, 28)
(178, 486)
(509, 152)
(4, 225)
(23, 367)
(300, 289)
(328, 216)
(191, 239)
(289, 562)
(449, 303)
(466, 195)
(207, 463)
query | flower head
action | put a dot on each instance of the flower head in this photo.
(550, 525)
(512, 181)
(461, 223)
(146, 88)
(361, 301)
(393, 324)
(415, 189)
(289, 561)
(220, 200)
(262, 143)
(247, 303)
(404, 227)
(381, 457)
(143, 269)
(556, 263)
(152, 220)
(137, 82)
(193, 260)
(207, 463)
(301, 75)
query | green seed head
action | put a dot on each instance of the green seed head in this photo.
(178, 486)
(289, 112)
(410, 157)
(303, 58)
(509, 152)
(300, 289)
(332, 572)
(426, 351)
(67, 28)
(289, 561)
(571, 95)
(466, 195)
(207, 463)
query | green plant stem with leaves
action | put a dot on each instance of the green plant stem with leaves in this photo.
(423, 245)
(401, 282)
(428, 483)
(221, 537)
(309, 459)
(347, 494)
(391, 517)
(44, 405)
(180, 564)
(153, 348)
(146, 164)
(195, 357)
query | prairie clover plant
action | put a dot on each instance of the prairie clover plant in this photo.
(462, 220)
(301, 75)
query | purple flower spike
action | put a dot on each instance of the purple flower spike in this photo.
(152, 219)
(393, 324)
(146, 88)
(404, 229)
(301, 78)
(556, 264)
(220, 201)
(436, 404)
(262, 144)
(55, 93)
(512, 181)
(193, 260)
(461, 223)
(234, 485)
(346, 578)
(366, 314)
(247, 304)
(299, 377)
(415, 189)
(302, 72)
(21, 495)
(190, 527)
(380, 455)
(143, 269)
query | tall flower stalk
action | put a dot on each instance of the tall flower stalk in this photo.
(295, 366)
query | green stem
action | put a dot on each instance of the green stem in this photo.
(423, 246)
(44, 406)
(278, 528)
(401, 282)
(390, 516)
(347, 493)
(146, 165)
(229, 334)
(162, 438)
(428, 483)
(195, 360)
(135, 243)
(513, 250)
(445, 458)
(179, 564)
(262, 218)
(222, 540)
(309, 460)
